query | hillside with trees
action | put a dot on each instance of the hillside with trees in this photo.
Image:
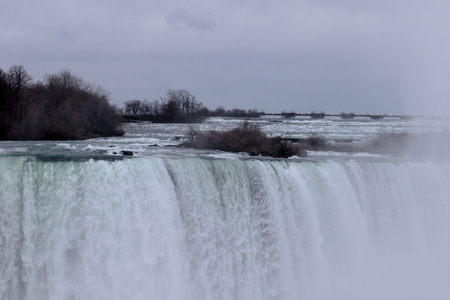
(60, 107)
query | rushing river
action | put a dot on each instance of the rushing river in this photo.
(78, 220)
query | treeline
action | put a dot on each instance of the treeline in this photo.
(61, 106)
(179, 106)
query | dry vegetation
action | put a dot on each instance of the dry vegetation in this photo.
(246, 138)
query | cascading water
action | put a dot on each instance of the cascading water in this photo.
(208, 228)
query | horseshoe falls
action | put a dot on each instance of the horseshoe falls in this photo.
(200, 227)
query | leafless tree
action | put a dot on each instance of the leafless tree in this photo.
(187, 106)
(133, 107)
(147, 107)
(18, 78)
(62, 84)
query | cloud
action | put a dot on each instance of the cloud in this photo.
(183, 18)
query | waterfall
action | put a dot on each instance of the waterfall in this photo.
(209, 228)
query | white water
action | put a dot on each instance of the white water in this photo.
(199, 228)
(147, 140)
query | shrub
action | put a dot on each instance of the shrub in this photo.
(246, 138)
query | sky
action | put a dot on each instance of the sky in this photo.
(385, 56)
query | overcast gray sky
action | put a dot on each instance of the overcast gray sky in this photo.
(384, 56)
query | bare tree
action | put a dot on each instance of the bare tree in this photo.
(63, 84)
(16, 83)
(18, 78)
(220, 111)
(147, 107)
(187, 105)
(133, 107)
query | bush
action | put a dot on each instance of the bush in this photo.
(246, 138)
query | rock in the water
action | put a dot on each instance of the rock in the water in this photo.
(126, 153)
